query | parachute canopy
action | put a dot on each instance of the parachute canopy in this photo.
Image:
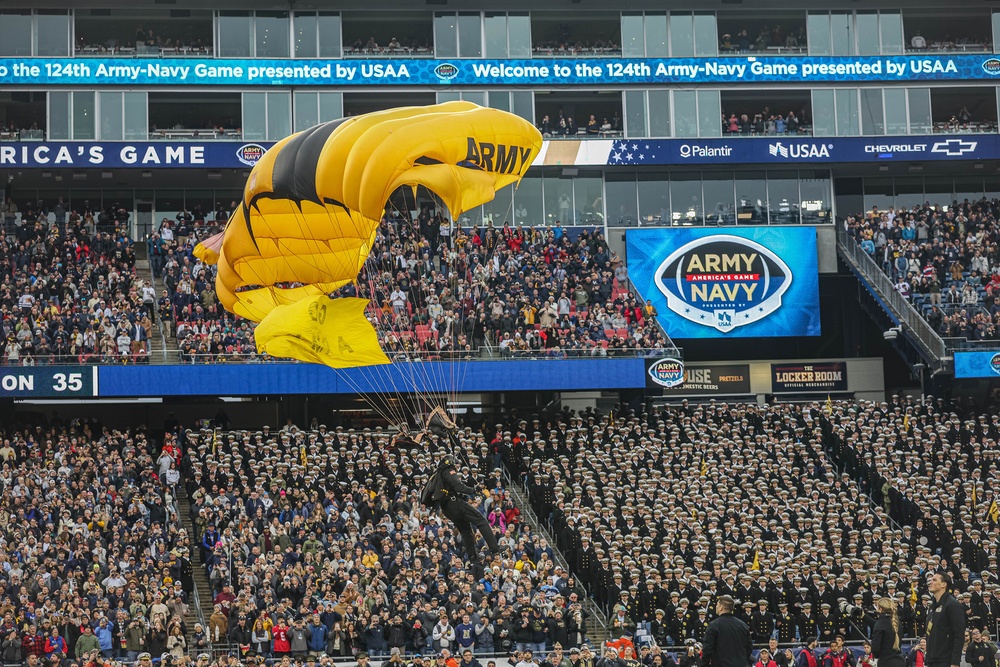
(313, 203)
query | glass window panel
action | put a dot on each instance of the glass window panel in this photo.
(654, 199)
(890, 26)
(720, 198)
(895, 111)
(685, 117)
(330, 36)
(306, 108)
(919, 100)
(685, 199)
(519, 35)
(528, 201)
(848, 120)
(872, 121)
(331, 106)
(136, 117)
(470, 35)
(448, 96)
(558, 200)
(709, 113)
(910, 191)
(842, 34)
(475, 96)
(306, 42)
(818, 34)
(499, 210)
(936, 189)
(446, 35)
(15, 33)
(996, 32)
(620, 197)
(657, 45)
(868, 35)
(254, 116)
(635, 113)
(658, 111)
(968, 188)
(279, 115)
(783, 198)
(235, 29)
(588, 200)
(52, 34)
(83, 115)
(496, 35)
(633, 35)
(706, 35)
(272, 34)
(58, 125)
(816, 203)
(522, 104)
(499, 99)
(681, 35)
(751, 198)
(879, 192)
(111, 116)
(824, 115)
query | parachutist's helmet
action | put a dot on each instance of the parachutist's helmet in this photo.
(448, 462)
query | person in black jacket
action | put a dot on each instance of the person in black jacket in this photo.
(445, 489)
(885, 635)
(945, 625)
(979, 653)
(727, 640)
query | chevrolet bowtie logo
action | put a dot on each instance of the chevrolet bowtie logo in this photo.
(954, 147)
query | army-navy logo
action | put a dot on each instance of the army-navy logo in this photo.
(995, 363)
(446, 71)
(992, 66)
(723, 282)
(250, 154)
(667, 372)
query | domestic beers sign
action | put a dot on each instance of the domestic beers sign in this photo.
(737, 282)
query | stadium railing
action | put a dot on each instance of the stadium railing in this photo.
(898, 305)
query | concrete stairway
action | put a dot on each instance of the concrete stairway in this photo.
(200, 607)
(597, 626)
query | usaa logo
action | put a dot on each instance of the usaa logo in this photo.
(724, 282)
(446, 71)
(995, 363)
(250, 154)
(667, 372)
(992, 66)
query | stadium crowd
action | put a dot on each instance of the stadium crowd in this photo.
(441, 291)
(662, 511)
(561, 125)
(944, 259)
(68, 288)
(765, 122)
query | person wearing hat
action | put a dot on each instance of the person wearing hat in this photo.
(727, 640)
(761, 623)
(446, 490)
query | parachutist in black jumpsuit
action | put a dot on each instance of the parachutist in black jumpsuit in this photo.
(446, 489)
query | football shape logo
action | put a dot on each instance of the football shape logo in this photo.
(667, 372)
(995, 363)
(250, 154)
(446, 71)
(723, 282)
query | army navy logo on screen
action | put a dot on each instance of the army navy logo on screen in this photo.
(667, 372)
(992, 66)
(446, 71)
(250, 154)
(995, 363)
(723, 282)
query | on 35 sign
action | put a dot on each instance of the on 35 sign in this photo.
(48, 381)
(728, 282)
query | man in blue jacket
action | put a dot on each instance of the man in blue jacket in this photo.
(317, 637)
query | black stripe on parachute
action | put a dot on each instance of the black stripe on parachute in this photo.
(293, 175)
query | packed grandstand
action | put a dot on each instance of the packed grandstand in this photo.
(309, 544)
